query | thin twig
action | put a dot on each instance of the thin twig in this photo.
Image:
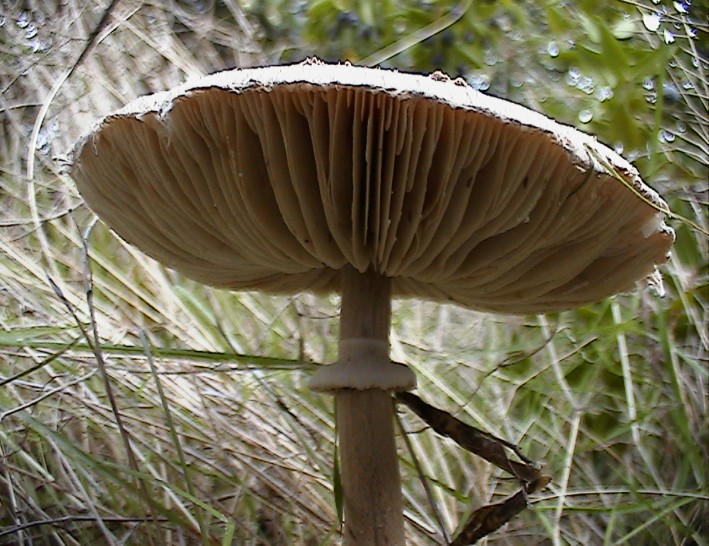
(41, 364)
(61, 521)
(47, 394)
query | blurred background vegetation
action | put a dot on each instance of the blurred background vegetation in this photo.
(137, 407)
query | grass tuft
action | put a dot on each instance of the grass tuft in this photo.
(137, 407)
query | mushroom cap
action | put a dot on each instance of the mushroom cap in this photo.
(275, 178)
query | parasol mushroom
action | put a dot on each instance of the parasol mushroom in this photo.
(319, 177)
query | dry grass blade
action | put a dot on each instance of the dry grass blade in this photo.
(490, 518)
(486, 519)
(474, 440)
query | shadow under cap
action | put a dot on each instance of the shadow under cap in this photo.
(276, 178)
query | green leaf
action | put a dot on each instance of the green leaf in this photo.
(614, 54)
(20, 336)
(624, 29)
(591, 28)
(557, 22)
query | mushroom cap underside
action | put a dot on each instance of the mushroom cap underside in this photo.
(275, 178)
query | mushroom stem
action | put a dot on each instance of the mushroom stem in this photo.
(369, 463)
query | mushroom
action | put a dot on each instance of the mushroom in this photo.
(322, 177)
